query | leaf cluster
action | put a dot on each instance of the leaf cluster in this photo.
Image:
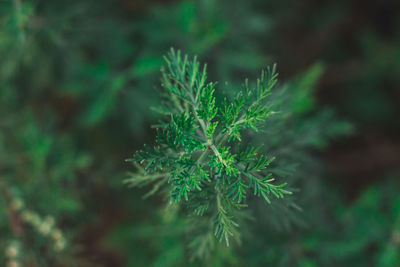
(199, 151)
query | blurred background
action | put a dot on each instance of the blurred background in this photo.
(77, 82)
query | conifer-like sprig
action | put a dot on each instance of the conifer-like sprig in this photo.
(198, 157)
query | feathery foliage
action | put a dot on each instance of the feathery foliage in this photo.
(199, 154)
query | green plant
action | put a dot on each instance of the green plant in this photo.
(201, 157)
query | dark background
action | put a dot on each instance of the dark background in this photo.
(78, 78)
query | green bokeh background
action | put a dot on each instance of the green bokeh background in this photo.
(77, 82)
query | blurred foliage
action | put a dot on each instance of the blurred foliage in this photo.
(78, 78)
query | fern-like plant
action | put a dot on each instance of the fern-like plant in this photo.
(202, 157)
